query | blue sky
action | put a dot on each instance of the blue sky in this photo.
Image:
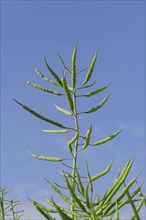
(31, 30)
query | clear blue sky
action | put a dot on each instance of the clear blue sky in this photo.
(31, 30)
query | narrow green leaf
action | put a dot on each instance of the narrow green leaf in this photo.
(53, 73)
(39, 116)
(97, 176)
(87, 137)
(68, 94)
(90, 70)
(106, 139)
(44, 77)
(74, 66)
(96, 91)
(98, 106)
(63, 110)
(53, 159)
(55, 131)
(42, 88)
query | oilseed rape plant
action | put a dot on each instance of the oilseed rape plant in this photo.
(79, 196)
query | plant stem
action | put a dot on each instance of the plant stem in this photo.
(75, 149)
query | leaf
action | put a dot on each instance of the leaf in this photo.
(97, 176)
(96, 91)
(90, 70)
(53, 73)
(63, 110)
(39, 116)
(55, 131)
(98, 106)
(53, 159)
(43, 89)
(44, 77)
(74, 66)
(87, 137)
(106, 139)
(68, 95)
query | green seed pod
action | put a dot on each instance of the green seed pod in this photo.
(74, 67)
(60, 193)
(39, 116)
(97, 176)
(43, 89)
(63, 110)
(72, 141)
(90, 70)
(45, 78)
(80, 184)
(96, 91)
(68, 94)
(55, 131)
(98, 106)
(53, 159)
(76, 198)
(53, 73)
(87, 137)
(106, 139)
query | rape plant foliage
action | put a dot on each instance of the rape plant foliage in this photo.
(81, 200)
(8, 207)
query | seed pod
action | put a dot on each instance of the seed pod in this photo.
(98, 106)
(65, 67)
(90, 70)
(96, 91)
(55, 131)
(87, 137)
(43, 89)
(77, 199)
(39, 116)
(81, 187)
(53, 159)
(63, 110)
(44, 77)
(62, 214)
(68, 94)
(59, 192)
(106, 139)
(53, 73)
(97, 176)
(74, 67)
(89, 177)
(72, 141)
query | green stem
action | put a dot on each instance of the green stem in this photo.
(2, 205)
(75, 153)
